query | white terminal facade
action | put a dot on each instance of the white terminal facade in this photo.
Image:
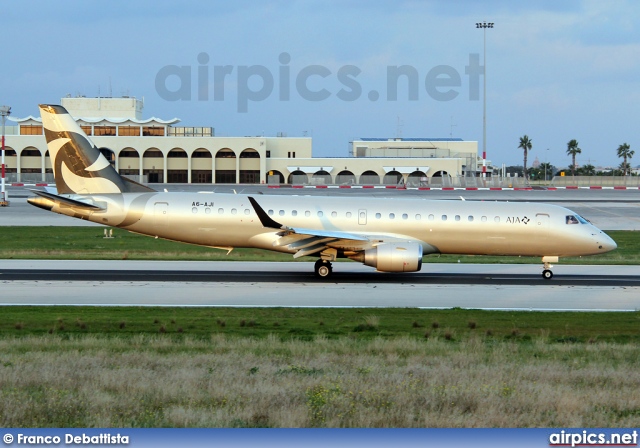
(159, 151)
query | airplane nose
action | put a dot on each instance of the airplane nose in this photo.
(605, 243)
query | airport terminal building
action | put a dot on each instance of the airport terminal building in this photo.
(155, 150)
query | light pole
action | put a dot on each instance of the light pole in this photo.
(4, 112)
(545, 164)
(484, 26)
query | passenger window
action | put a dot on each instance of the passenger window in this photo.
(378, 216)
(294, 212)
(405, 216)
(418, 217)
(247, 211)
(270, 212)
(334, 215)
(484, 219)
(392, 216)
(496, 219)
(194, 210)
(281, 212)
(207, 210)
(220, 211)
(320, 214)
(234, 211)
(457, 217)
(431, 217)
(307, 213)
(470, 218)
(444, 217)
(348, 214)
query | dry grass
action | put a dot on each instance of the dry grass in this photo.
(153, 381)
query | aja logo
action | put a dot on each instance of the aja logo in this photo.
(517, 220)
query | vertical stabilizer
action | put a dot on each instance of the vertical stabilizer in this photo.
(78, 166)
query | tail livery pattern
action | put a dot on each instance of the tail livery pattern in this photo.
(78, 166)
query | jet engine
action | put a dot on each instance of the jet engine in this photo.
(393, 257)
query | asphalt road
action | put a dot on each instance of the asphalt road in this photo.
(244, 284)
(308, 278)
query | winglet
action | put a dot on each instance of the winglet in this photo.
(265, 219)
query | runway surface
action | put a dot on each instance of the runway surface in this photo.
(613, 288)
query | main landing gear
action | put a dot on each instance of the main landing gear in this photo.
(323, 268)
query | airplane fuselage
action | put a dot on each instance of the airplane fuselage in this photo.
(441, 226)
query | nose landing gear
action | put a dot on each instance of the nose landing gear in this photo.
(546, 267)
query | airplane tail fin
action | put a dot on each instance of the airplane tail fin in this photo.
(78, 165)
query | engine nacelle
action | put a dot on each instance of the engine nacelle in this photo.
(395, 257)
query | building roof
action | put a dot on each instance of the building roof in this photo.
(412, 139)
(110, 120)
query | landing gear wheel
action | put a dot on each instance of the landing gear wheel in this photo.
(547, 274)
(323, 268)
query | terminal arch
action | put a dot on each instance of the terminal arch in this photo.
(225, 153)
(201, 166)
(345, 177)
(417, 179)
(392, 178)
(321, 178)
(275, 177)
(177, 166)
(298, 178)
(369, 178)
(249, 166)
(153, 165)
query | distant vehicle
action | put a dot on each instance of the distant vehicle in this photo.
(391, 235)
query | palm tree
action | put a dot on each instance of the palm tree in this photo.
(587, 170)
(625, 152)
(525, 144)
(572, 150)
(547, 168)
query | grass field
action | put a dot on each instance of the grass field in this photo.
(310, 323)
(217, 381)
(87, 243)
(292, 367)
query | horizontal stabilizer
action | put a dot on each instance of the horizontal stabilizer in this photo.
(67, 201)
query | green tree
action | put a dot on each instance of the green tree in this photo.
(625, 152)
(525, 144)
(587, 170)
(547, 170)
(573, 150)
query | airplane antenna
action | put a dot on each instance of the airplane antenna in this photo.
(110, 91)
(462, 198)
(452, 126)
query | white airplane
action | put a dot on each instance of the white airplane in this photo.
(391, 235)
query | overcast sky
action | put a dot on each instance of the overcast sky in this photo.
(555, 70)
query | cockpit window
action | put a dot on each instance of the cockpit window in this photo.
(582, 220)
(573, 219)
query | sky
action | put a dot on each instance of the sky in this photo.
(555, 71)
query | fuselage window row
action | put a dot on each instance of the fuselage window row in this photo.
(362, 215)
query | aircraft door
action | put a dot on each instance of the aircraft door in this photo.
(542, 223)
(362, 217)
(160, 214)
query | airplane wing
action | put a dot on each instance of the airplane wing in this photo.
(311, 241)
